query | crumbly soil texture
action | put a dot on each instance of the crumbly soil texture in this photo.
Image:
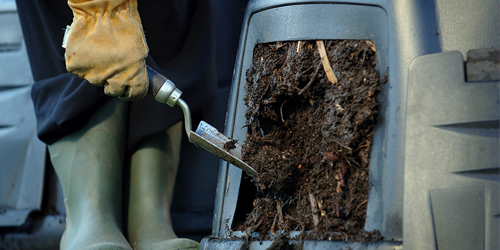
(310, 139)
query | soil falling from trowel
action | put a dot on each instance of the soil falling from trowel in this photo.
(310, 139)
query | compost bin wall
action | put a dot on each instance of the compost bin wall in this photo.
(404, 32)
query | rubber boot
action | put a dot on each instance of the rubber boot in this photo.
(88, 164)
(153, 171)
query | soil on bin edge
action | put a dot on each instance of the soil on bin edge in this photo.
(310, 140)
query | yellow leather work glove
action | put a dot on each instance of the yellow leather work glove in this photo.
(106, 45)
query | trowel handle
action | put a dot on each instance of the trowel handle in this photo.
(162, 89)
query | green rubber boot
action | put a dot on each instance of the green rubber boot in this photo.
(89, 164)
(153, 171)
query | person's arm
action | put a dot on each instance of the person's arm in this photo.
(106, 45)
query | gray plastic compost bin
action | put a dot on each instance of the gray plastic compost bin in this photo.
(434, 167)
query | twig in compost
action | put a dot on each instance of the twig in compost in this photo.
(326, 63)
(350, 163)
(364, 55)
(302, 230)
(341, 171)
(299, 46)
(344, 146)
(252, 228)
(281, 223)
(372, 45)
(364, 144)
(337, 209)
(314, 209)
(291, 218)
(273, 227)
(310, 81)
(360, 204)
(281, 111)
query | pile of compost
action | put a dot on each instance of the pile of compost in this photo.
(310, 137)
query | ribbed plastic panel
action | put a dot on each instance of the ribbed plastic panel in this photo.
(22, 155)
(452, 168)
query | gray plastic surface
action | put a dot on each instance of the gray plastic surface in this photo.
(45, 236)
(22, 155)
(452, 180)
(14, 64)
(24, 178)
(214, 244)
(402, 31)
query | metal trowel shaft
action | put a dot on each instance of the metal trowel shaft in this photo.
(206, 136)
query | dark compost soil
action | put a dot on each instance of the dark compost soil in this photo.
(310, 140)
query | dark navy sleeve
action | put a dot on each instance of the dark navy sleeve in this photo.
(63, 104)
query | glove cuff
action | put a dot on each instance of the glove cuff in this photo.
(94, 8)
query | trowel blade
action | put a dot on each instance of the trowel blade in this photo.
(211, 140)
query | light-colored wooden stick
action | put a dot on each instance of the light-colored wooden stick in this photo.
(314, 209)
(281, 222)
(326, 63)
(299, 46)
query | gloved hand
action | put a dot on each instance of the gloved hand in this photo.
(106, 45)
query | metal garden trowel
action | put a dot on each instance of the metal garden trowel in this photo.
(206, 136)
